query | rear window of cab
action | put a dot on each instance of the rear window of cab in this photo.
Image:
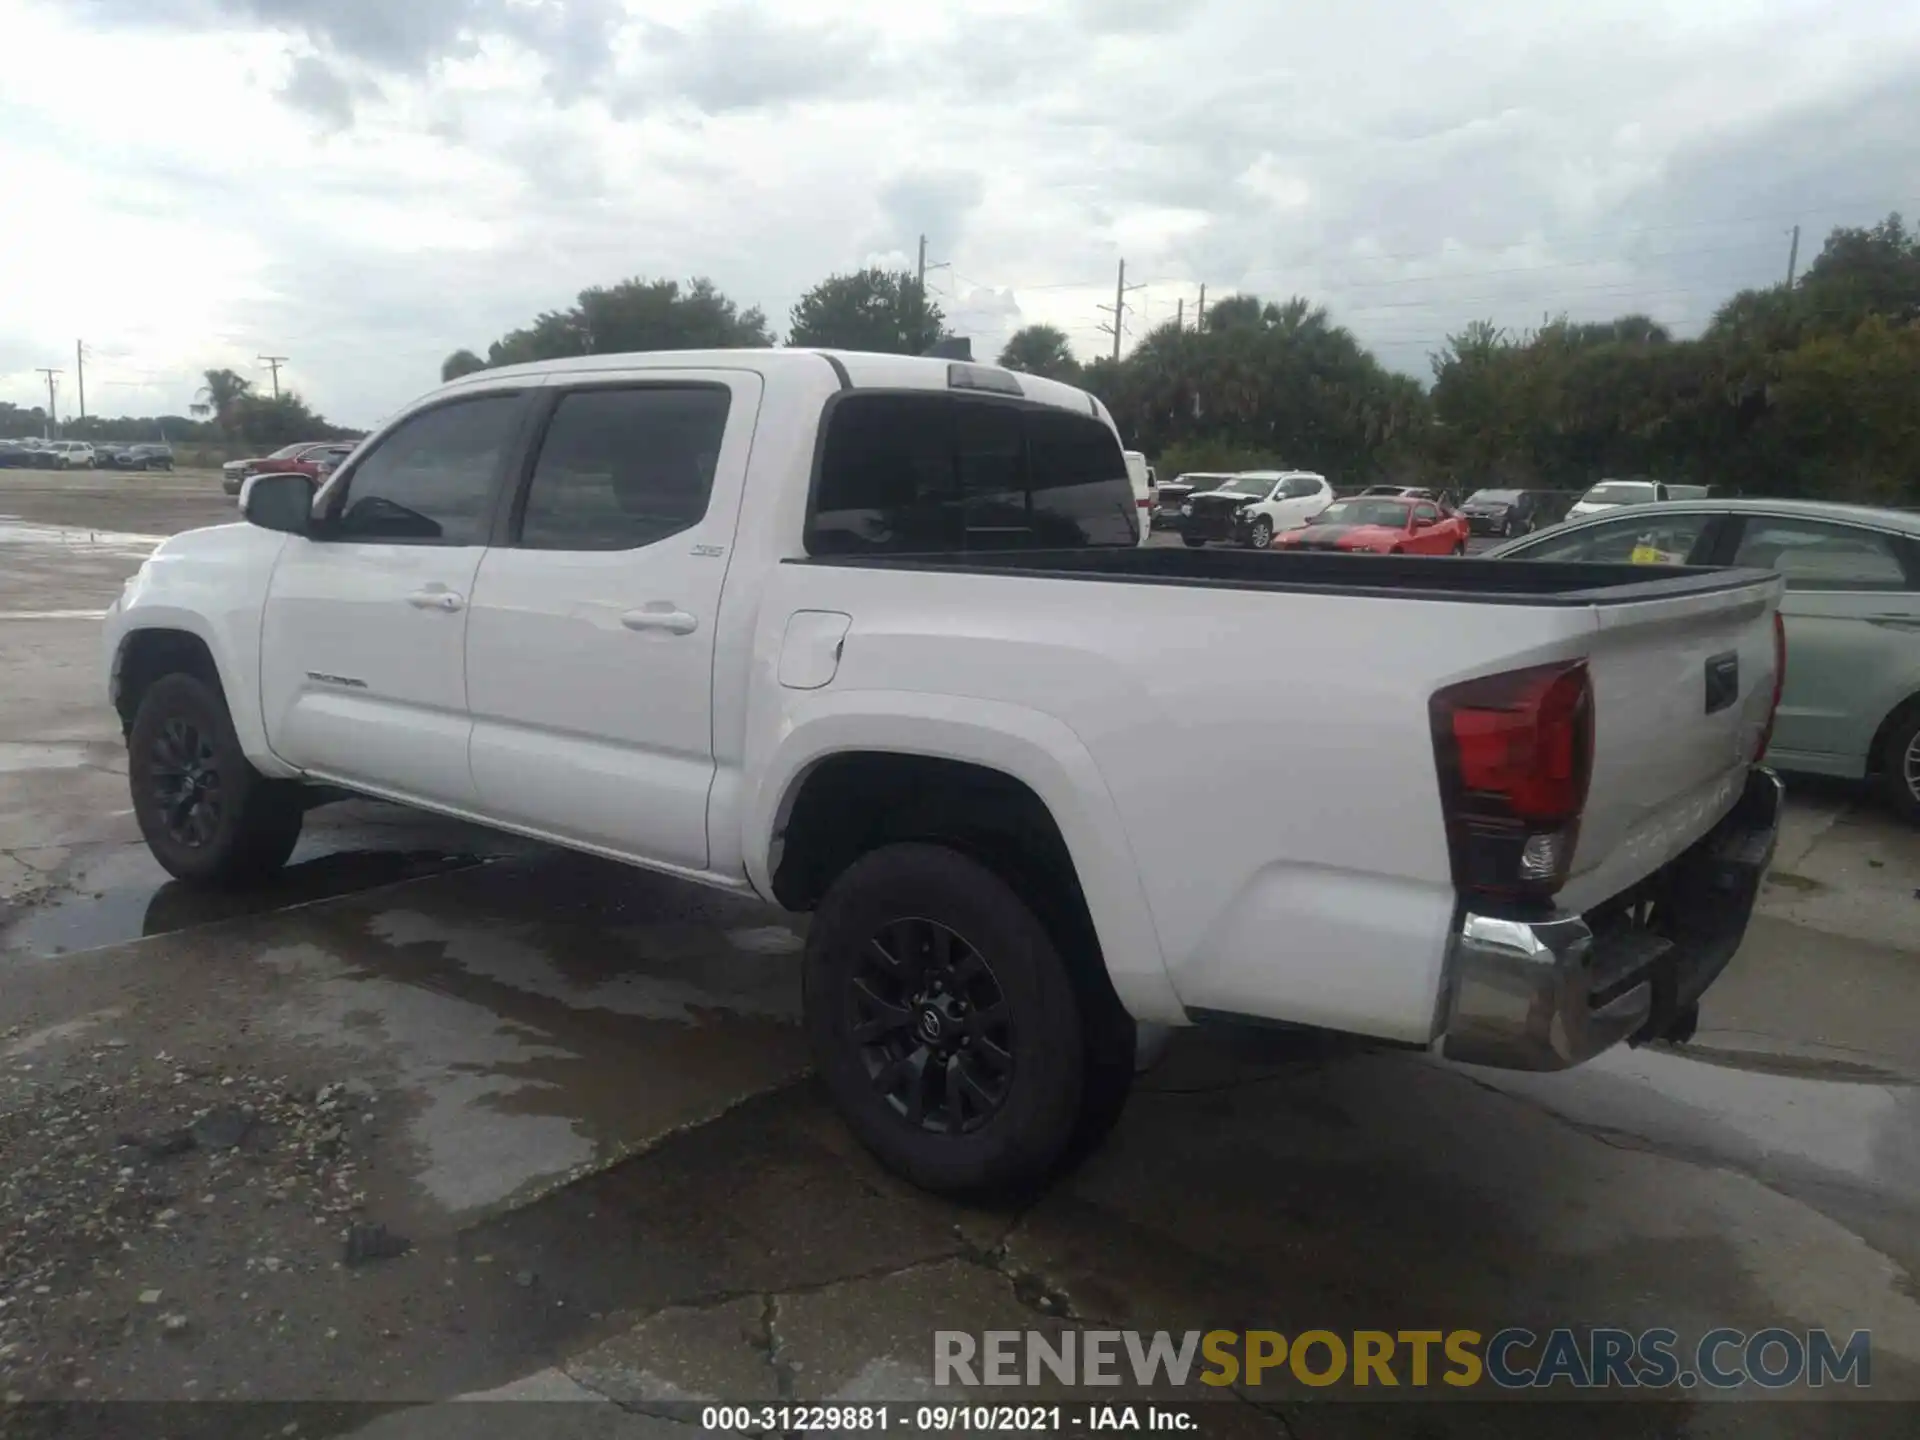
(925, 472)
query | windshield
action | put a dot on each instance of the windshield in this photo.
(1248, 485)
(1620, 492)
(287, 452)
(1391, 513)
(1493, 497)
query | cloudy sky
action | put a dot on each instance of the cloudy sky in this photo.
(365, 185)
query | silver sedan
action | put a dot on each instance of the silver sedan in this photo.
(1851, 703)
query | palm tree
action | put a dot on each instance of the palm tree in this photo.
(218, 397)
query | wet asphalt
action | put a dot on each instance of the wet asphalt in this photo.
(578, 1094)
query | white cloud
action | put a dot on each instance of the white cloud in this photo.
(367, 185)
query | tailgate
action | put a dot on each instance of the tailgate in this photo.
(1682, 691)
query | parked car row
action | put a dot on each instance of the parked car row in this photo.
(1850, 703)
(32, 454)
(316, 459)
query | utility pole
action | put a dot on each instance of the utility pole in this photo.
(80, 371)
(1793, 256)
(1119, 308)
(273, 363)
(52, 419)
(1200, 318)
(1180, 313)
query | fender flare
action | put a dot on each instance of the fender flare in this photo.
(1038, 750)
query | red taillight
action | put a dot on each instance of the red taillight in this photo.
(1515, 753)
(1779, 682)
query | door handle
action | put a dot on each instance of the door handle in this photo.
(673, 622)
(445, 600)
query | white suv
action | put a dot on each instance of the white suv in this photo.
(1297, 496)
(71, 455)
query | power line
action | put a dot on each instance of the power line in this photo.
(273, 363)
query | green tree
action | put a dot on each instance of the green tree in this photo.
(460, 362)
(1041, 350)
(223, 390)
(636, 315)
(270, 421)
(874, 309)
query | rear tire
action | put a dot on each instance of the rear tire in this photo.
(1461, 548)
(1900, 766)
(992, 1093)
(207, 815)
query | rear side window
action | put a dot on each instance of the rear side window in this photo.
(620, 469)
(904, 474)
(1815, 555)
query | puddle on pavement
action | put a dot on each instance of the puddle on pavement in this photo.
(126, 895)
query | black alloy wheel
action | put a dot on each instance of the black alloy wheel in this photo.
(184, 774)
(207, 815)
(934, 1028)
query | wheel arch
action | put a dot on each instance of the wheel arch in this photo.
(998, 781)
(1899, 714)
(178, 642)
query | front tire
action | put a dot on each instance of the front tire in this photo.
(1506, 528)
(1461, 548)
(1900, 766)
(945, 1025)
(1261, 536)
(1191, 543)
(207, 815)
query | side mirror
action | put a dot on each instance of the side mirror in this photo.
(279, 502)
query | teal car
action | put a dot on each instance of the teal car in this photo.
(1851, 703)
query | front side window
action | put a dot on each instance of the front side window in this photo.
(1641, 539)
(1425, 515)
(1817, 555)
(431, 481)
(1246, 485)
(620, 469)
(905, 474)
(1621, 492)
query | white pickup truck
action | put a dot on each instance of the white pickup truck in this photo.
(872, 637)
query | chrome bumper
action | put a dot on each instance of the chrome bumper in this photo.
(1548, 994)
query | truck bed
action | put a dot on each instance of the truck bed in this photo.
(1492, 582)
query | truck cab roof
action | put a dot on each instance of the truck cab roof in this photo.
(854, 369)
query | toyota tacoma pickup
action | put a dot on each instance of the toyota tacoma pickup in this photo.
(872, 637)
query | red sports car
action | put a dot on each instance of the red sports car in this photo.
(1380, 527)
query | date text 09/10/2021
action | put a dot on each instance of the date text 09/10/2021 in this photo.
(944, 1419)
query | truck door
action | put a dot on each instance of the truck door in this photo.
(590, 643)
(362, 654)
